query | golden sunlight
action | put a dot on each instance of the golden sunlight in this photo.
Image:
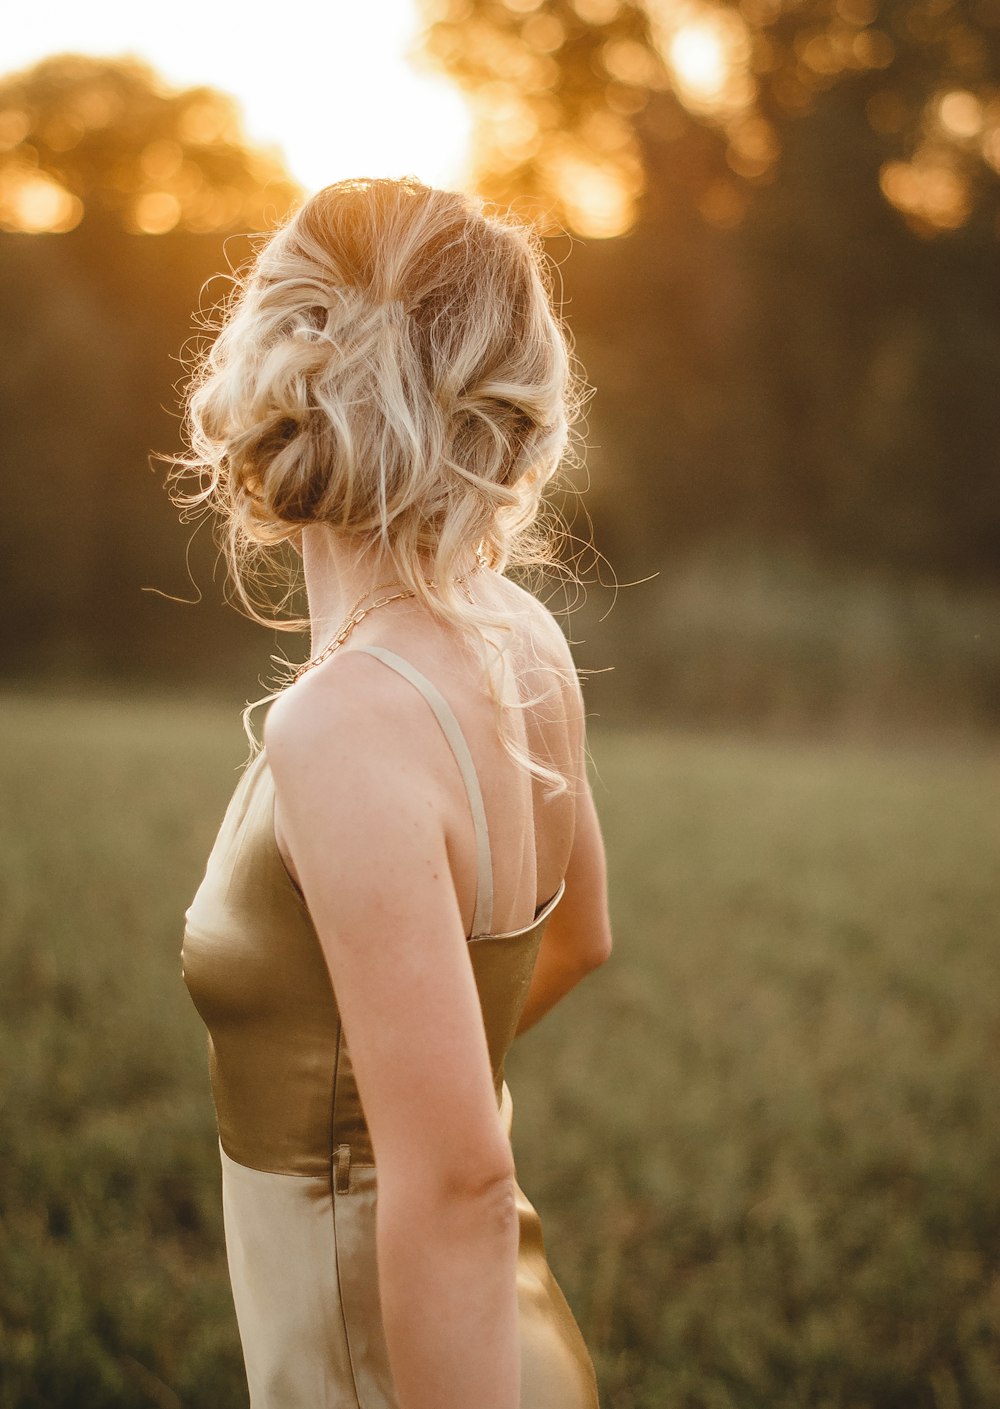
(34, 203)
(597, 198)
(928, 190)
(707, 50)
(698, 58)
(960, 114)
(332, 90)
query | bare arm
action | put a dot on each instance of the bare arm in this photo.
(577, 938)
(357, 775)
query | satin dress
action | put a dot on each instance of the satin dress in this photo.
(299, 1182)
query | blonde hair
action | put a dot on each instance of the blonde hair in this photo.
(390, 365)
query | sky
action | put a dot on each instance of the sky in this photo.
(333, 86)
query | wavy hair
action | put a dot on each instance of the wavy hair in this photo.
(390, 364)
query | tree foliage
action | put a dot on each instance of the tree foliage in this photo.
(779, 358)
(579, 100)
(106, 142)
(95, 324)
(796, 337)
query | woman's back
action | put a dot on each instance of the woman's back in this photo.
(531, 834)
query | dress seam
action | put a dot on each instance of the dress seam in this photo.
(262, 1169)
(334, 1196)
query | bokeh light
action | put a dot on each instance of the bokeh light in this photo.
(36, 203)
(707, 51)
(929, 190)
(960, 114)
(698, 58)
(331, 91)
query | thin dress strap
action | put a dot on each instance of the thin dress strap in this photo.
(445, 715)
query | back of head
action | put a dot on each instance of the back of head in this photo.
(391, 367)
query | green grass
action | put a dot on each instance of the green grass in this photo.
(763, 1140)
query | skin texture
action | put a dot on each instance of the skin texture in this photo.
(373, 823)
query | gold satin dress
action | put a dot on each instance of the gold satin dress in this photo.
(299, 1183)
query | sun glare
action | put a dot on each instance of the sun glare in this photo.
(707, 50)
(34, 203)
(698, 59)
(332, 90)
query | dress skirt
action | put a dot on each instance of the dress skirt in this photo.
(302, 1260)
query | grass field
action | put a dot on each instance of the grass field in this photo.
(763, 1140)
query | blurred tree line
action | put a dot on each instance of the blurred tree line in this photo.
(776, 229)
(121, 202)
(799, 335)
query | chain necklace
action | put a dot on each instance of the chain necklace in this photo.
(354, 618)
(358, 613)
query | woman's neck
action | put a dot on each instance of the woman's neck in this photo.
(337, 573)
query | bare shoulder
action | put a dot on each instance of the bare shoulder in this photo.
(353, 719)
(549, 635)
(544, 652)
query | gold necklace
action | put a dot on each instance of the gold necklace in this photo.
(355, 617)
(358, 613)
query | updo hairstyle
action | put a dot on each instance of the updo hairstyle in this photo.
(389, 365)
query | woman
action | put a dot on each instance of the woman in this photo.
(411, 869)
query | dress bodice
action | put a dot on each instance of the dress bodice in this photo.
(280, 1068)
